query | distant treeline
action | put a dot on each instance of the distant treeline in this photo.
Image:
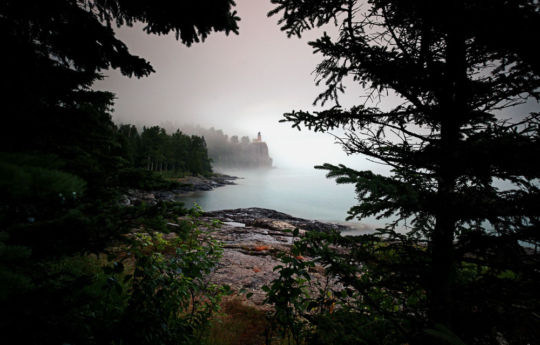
(233, 151)
(154, 150)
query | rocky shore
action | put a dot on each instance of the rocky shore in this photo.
(188, 184)
(253, 238)
(266, 218)
(200, 183)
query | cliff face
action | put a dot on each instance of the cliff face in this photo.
(233, 152)
(242, 155)
(260, 154)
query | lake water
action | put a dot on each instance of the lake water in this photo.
(304, 193)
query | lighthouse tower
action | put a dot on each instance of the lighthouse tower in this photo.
(259, 137)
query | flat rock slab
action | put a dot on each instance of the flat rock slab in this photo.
(252, 239)
(249, 257)
(263, 217)
(245, 271)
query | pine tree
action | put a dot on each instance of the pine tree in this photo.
(61, 158)
(56, 49)
(459, 68)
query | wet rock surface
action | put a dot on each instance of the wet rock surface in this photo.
(266, 218)
(199, 183)
(253, 238)
(187, 185)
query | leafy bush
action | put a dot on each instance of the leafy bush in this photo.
(171, 301)
(379, 295)
(152, 289)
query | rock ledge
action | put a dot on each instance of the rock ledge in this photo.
(252, 239)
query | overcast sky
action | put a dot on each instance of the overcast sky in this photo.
(239, 83)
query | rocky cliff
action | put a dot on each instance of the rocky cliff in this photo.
(242, 155)
(233, 152)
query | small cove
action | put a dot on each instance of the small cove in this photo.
(304, 193)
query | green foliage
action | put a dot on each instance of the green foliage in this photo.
(144, 179)
(153, 290)
(444, 334)
(169, 155)
(63, 300)
(360, 299)
(461, 194)
(64, 164)
(171, 301)
(289, 295)
(378, 295)
(13, 260)
(31, 182)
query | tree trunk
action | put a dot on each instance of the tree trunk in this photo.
(453, 108)
(442, 254)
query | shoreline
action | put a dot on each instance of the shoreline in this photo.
(194, 184)
(188, 184)
(253, 239)
(201, 183)
(257, 216)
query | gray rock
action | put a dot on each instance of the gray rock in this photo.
(263, 217)
(164, 195)
(251, 252)
(189, 184)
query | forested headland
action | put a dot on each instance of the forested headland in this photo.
(233, 151)
(173, 154)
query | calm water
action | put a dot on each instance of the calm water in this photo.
(301, 193)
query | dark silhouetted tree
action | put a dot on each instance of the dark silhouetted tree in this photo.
(57, 49)
(61, 156)
(245, 140)
(464, 177)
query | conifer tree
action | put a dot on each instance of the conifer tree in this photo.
(462, 153)
(55, 50)
(61, 158)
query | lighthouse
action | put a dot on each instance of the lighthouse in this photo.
(259, 137)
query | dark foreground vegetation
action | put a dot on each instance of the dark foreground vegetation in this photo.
(457, 266)
(75, 266)
(458, 263)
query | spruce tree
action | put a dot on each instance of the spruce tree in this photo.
(464, 179)
(61, 159)
(55, 50)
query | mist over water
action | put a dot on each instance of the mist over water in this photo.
(304, 193)
(243, 85)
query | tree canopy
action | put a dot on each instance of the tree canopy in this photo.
(463, 184)
(57, 49)
(64, 164)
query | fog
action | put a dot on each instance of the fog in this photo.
(241, 84)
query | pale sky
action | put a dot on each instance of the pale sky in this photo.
(239, 83)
